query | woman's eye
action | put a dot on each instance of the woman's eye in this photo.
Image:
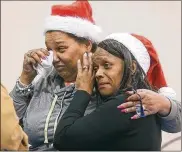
(107, 65)
(62, 49)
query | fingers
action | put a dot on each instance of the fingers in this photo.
(79, 66)
(127, 105)
(136, 96)
(42, 54)
(128, 110)
(45, 51)
(29, 60)
(90, 63)
(137, 116)
(85, 62)
(37, 55)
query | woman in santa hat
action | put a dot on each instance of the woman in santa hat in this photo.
(120, 64)
(163, 102)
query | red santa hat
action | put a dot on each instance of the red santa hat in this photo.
(146, 55)
(75, 18)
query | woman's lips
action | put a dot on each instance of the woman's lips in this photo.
(59, 67)
(102, 85)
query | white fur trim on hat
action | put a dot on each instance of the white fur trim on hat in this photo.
(135, 46)
(74, 25)
(167, 92)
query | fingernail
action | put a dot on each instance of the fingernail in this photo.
(85, 54)
(124, 110)
(133, 118)
(120, 106)
(129, 92)
(44, 58)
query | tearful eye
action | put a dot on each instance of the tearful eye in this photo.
(60, 50)
(107, 65)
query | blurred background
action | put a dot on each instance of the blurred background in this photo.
(22, 25)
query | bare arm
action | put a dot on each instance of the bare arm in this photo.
(12, 135)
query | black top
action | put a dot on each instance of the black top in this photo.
(106, 128)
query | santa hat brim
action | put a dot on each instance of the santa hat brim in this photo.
(74, 25)
(135, 47)
(138, 49)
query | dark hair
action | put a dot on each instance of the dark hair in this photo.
(83, 40)
(130, 80)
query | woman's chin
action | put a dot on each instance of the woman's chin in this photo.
(105, 93)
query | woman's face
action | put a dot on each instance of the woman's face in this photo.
(66, 53)
(109, 71)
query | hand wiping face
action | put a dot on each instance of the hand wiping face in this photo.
(45, 68)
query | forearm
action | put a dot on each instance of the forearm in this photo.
(21, 97)
(27, 78)
(172, 122)
(11, 133)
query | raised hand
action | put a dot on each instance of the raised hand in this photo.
(85, 76)
(32, 58)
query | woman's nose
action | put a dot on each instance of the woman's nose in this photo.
(55, 57)
(99, 73)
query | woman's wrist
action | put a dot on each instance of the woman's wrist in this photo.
(165, 107)
(26, 78)
(89, 91)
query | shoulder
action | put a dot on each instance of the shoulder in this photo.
(119, 98)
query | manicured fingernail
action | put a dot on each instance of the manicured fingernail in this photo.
(124, 110)
(133, 118)
(120, 107)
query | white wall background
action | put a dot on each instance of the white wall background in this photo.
(160, 21)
